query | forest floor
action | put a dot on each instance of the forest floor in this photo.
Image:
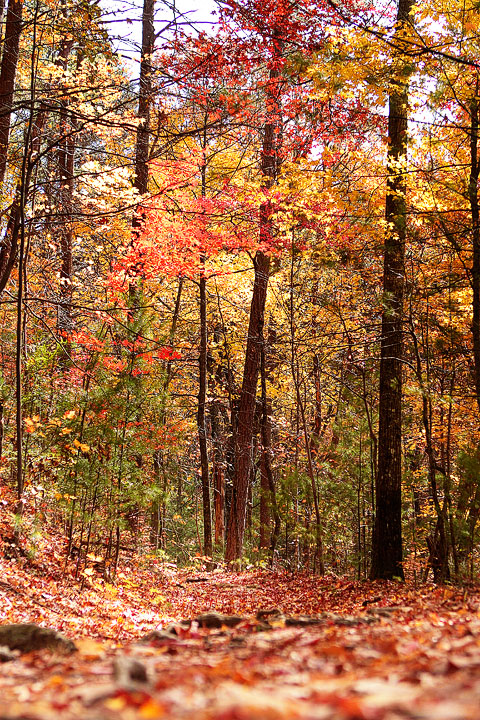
(304, 648)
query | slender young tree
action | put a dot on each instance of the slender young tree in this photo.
(202, 375)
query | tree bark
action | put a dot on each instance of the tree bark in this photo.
(387, 553)
(246, 410)
(66, 158)
(201, 419)
(11, 44)
(143, 136)
(475, 217)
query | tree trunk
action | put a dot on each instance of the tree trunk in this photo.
(143, 136)
(66, 157)
(158, 505)
(13, 28)
(246, 410)
(144, 97)
(11, 44)
(475, 215)
(387, 553)
(201, 420)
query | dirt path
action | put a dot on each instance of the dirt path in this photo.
(377, 651)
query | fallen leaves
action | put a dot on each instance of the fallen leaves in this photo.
(230, 646)
(384, 671)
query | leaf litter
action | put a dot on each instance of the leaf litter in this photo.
(164, 642)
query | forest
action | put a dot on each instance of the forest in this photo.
(239, 359)
(240, 284)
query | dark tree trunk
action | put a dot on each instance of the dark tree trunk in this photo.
(437, 542)
(317, 420)
(219, 491)
(11, 44)
(32, 135)
(387, 554)
(13, 29)
(66, 158)
(265, 471)
(144, 98)
(8, 251)
(475, 214)
(143, 137)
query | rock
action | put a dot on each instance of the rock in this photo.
(27, 637)
(196, 579)
(351, 620)
(158, 637)
(6, 654)
(128, 670)
(328, 618)
(304, 620)
(210, 620)
(389, 611)
(216, 620)
(268, 613)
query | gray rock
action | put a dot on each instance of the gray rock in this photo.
(158, 637)
(27, 637)
(216, 620)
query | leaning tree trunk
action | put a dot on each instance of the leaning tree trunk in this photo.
(248, 395)
(246, 410)
(387, 551)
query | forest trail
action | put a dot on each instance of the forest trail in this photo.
(303, 647)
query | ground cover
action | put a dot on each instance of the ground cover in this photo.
(297, 646)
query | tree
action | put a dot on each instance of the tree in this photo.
(8, 69)
(387, 553)
(270, 157)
